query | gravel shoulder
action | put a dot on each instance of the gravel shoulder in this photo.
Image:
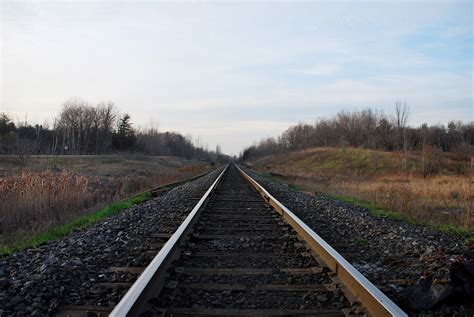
(411, 264)
(69, 271)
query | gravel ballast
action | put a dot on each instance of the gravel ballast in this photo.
(69, 271)
(399, 258)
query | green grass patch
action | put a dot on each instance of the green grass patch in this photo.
(362, 241)
(273, 178)
(77, 224)
(374, 210)
(469, 240)
(292, 186)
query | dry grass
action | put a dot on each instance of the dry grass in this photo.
(379, 178)
(437, 199)
(35, 200)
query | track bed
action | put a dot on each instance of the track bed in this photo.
(241, 259)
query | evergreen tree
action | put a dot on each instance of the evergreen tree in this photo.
(7, 134)
(124, 138)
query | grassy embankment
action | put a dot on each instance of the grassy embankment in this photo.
(11, 245)
(379, 181)
(47, 197)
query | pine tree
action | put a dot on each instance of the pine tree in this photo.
(124, 138)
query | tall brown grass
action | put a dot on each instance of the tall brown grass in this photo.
(36, 201)
(439, 199)
(33, 201)
(442, 197)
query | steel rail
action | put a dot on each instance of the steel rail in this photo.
(127, 303)
(358, 286)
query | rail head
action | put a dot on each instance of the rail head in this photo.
(130, 298)
(372, 298)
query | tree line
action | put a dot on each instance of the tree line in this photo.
(371, 129)
(83, 129)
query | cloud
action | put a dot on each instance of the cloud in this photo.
(457, 30)
(233, 73)
(321, 70)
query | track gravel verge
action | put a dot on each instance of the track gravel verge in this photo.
(397, 257)
(71, 270)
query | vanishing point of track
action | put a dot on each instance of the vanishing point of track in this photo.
(241, 253)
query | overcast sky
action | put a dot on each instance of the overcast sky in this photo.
(232, 73)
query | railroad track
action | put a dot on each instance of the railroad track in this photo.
(241, 253)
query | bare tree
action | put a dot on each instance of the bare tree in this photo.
(401, 113)
(370, 129)
(384, 134)
(424, 136)
(70, 121)
(106, 114)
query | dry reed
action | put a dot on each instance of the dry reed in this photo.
(436, 199)
(37, 201)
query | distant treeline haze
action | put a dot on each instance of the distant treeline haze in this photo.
(82, 128)
(369, 129)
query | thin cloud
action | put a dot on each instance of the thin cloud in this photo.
(321, 70)
(233, 73)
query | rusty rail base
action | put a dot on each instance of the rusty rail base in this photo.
(354, 283)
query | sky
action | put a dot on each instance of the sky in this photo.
(233, 72)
